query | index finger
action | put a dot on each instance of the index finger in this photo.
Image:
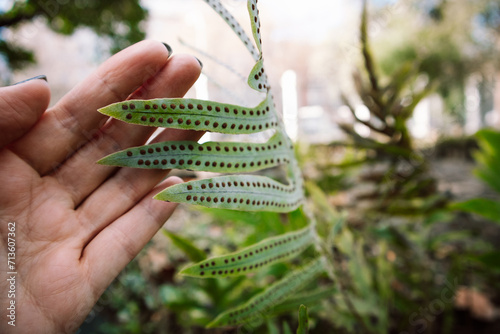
(73, 121)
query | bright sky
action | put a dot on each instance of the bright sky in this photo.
(304, 19)
(5, 4)
(299, 18)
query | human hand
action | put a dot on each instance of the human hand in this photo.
(78, 224)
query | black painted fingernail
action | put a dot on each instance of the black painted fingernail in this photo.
(199, 61)
(42, 77)
(168, 48)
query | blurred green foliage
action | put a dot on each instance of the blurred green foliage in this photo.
(391, 161)
(488, 170)
(118, 20)
(446, 41)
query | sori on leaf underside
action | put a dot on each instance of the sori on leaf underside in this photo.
(234, 190)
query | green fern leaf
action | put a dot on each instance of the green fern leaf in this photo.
(286, 328)
(211, 156)
(192, 252)
(309, 297)
(194, 114)
(255, 22)
(303, 320)
(253, 258)
(236, 192)
(257, 78)
(261, 304)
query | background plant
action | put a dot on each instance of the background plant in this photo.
(453, 42)
(400, 172)
(403, 214)
(488, 170)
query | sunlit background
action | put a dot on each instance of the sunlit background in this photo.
(315, 45)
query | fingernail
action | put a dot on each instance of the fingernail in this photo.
(199, 61)
(42, 77)
(168, 48)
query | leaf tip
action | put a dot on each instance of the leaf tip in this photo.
(105, 110)
(104, 161)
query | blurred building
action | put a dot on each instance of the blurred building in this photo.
(317, 42)
(295, 37)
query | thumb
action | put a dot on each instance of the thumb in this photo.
(21, 105)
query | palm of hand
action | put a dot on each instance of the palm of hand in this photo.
(79, 224)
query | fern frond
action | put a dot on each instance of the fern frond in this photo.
(255, 22)
(192, 252)
(303, 320)
(261, 304)
(253, 258)
(236, 192)
(308, 297)
(257, 78)
(210, 156)
(195, 114)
